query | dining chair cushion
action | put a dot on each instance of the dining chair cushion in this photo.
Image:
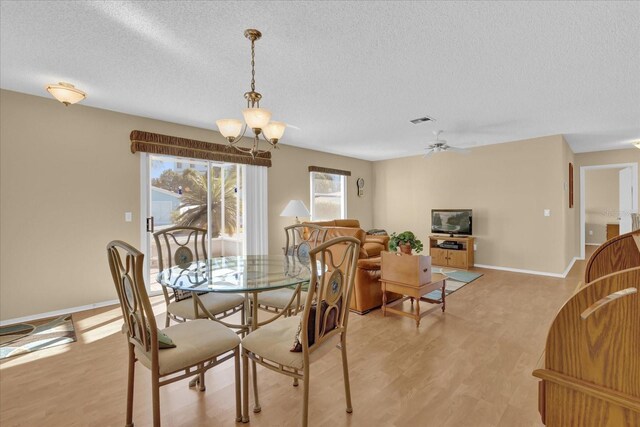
(279, 298)
(216, 303)
(195, 341)
(273, 342)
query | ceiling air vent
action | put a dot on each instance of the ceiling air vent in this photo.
(422, 120)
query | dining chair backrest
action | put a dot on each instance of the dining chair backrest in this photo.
(301, 238)
(126, 264)
(180, 245)
(326, 310)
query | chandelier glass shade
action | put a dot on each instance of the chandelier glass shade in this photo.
(257, 119)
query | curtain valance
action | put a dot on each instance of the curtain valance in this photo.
(328, 170)
(156, 143)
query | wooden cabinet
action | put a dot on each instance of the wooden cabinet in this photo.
(458, 258)
(613, 230)
(439, 256)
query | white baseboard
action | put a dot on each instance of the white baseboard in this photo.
(593, 244)
(537, 273)
(58, 312)
(570, 266)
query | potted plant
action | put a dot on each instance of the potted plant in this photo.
(406, 241)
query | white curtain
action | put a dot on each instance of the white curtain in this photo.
(256, 220)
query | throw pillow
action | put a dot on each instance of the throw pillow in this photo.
(331, 324)
(164, 341)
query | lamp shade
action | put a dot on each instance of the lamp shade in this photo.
(295, 208)
(66, 93)
(256, 118)
(229, 128)
(274, 130)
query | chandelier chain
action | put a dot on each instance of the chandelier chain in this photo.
(253, 66)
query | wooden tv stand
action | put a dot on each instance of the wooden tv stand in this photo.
(458, 258)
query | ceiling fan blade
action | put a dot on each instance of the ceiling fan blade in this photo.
(428, 153)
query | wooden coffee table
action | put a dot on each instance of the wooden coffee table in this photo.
(413, 292)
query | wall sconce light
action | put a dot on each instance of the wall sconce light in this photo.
(66, 93)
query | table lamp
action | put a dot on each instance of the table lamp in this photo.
(295, 208)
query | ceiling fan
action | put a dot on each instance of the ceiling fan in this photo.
(438, 145)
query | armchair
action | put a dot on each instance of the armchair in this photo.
(367, 292)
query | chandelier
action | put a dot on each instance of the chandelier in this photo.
(256, 118)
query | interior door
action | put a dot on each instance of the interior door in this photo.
(626, 200)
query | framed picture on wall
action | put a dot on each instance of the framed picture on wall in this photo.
(570, 185)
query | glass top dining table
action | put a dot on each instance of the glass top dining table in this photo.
(250, 275)
(237, 274)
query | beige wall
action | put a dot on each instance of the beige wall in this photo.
(628, 155)
(508, 186)
(68, 177)
(289, 179)
(602, 201)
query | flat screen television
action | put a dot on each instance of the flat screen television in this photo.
(452, 221)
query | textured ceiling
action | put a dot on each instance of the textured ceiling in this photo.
(348, 75)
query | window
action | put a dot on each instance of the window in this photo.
(328, 196)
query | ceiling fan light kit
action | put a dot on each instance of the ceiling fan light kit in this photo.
(256, 118)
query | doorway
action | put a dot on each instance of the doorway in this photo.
(197, 193)
(615, 186)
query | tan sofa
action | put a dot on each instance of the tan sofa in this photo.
(367, 293)
(372, 245)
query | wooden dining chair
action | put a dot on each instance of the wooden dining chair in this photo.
(300, 239)
(322, 324)
(196, 346)
(183, 245)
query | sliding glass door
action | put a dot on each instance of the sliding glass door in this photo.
(196, 193)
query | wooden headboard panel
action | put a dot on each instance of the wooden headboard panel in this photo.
(619, 253)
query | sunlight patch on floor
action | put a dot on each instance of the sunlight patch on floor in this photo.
(34, 356)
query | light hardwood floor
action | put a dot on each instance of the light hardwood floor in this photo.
(470, 366)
